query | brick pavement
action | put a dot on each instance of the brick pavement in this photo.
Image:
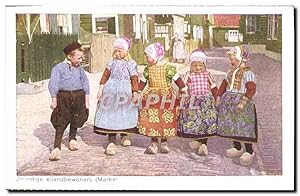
(90, 160)
(131, 161)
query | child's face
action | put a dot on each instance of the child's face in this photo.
(119, 53)
(149, 60)
(234, 62)
(76, 58)
(197, 66)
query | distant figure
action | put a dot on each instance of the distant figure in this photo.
(178, 48)
(188, 45)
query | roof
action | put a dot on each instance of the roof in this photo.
(226, 20)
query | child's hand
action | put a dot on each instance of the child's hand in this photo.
(53, 104)
(135, 97)
(100, 92)
(99, 95)
(240, 106)
(184, 91)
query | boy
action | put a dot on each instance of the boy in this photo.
(69, 89)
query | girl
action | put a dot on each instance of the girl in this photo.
(118, 88)
(237, 113)
(158, 117)
(201, 122)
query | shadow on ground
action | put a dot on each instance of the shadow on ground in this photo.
(45, 133)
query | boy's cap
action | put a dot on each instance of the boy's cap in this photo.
(71, 47)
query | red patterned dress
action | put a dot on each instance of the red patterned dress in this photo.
(158, 116)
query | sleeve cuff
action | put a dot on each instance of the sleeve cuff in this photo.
(143, 79)
(175, 77)
(53, 95)
(213, 86)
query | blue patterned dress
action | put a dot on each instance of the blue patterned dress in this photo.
(115, 113)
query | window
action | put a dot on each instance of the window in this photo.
(105, 25)
(250, 24)
(197, 32)
(233, 36)
(101, 25)
(64, 23)
(272, 27)
(161, 30)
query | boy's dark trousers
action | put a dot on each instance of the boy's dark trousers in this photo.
(71, 110)
(59, 134)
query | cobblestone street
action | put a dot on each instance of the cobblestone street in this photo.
(131, 161)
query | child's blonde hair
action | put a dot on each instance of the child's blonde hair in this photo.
(127, 55)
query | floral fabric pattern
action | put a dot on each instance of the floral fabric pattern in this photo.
(153, 115)
(168, 116)
(159, 50)
(159, 119)
(156, 122)
(169, 132)
(198, 122)
(170, 73)
(122, 69)
(146, 73)
(237, 125)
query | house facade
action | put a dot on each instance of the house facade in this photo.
(197, 32)
(47, 23)
(225, 30)
(274, 37)
(38, 39)
(254, 31)
(263, 34)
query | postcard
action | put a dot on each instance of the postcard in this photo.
(150, 97)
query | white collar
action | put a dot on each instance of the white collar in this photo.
(67, 61)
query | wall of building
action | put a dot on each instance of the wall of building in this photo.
(259, 37)
(276, 45)
(219, 38)
(86, 22)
